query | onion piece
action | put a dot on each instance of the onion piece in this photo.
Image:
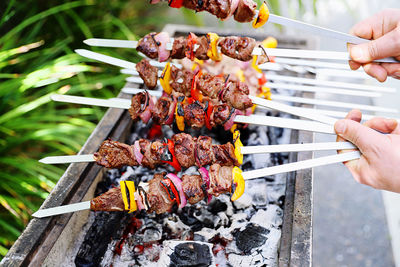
(137, 153)
(138, 200)
(154, 1)
(230, 122)
(178, 183)
(204, 175)
(162, 39)
(171, 112)
(146, 114)
(234, 5)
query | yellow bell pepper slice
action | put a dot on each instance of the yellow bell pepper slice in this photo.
(165, 79)
(265, 93)
(128, 189)
(239, 182)
(179, 119)
(262, 18)
(270, 42)
(240, 75)
(237, 143)
(254, 64)
(212, 51)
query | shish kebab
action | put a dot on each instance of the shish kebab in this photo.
(165, 191)
(126, 64)
(183, 151)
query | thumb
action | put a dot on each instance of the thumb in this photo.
(361, 136)
(385, 46)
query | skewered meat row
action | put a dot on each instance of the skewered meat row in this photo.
(182, 150)
(242, 10)
(216, 87)
(154, 46)
(193, 113)
(165, 190)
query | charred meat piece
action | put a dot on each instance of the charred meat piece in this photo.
(109, 201)
(220, 179)
(219, 8)
(161, 110)
(221, 114)
(204, 153)
(193, 188)
(237, 47)
(245, 11)
(113, 154)
(224, 155)
(179, 48)
(181, 80)
(148, 46)
(194, 114)
(201, 51)
(184, 146)
(152, 152)
(210, 85)
(236, 94)
(148, 73)
(139, 103)
(157, 197)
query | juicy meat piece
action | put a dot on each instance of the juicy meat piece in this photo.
(113, 154)
(138, 105)
(179, 48)
(158, 198)
(181, 80)
(148, 73)
(194, 114)
(225, 155)
(221, 114)
(245, 11)
(184, 149)
(161, 109)
(109, 201)
(201, 51)
(204, 153)
(237, 95)
(152, 152)
(148, 46)
(238, 47)
(193, 188)
(220, 179)
(219, 8)
(210, 85)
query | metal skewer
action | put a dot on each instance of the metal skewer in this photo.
(253, 119)
(245, 150)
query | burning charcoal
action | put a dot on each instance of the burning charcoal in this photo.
(216, 206)
(243, 202)
(187, 218)
(258, 189)
(176, 228)
(179, 254)
(270, 217)
(205, 234)
(253, 236)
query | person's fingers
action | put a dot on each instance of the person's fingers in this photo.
(386, 46)
(392, 69)
(354, 115)
(376, 71)
(354, 65)
(382, 124)
(357, 134)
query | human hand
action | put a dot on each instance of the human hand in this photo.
(384, 29)
(379, 165)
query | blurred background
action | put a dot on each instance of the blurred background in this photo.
(37, 39)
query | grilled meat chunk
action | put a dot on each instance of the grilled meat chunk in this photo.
(220, 179)
(184, 149)
(109, 201)
(245, 11)
(237, 47)
(152, 152)
(219, 8)
(193, 188)
(113, 154)
(201, 51)
(221, 114)
(148, 46)
(224, 155)
(139, 103)
(179, 48)
(161, 109)
(181, 80)
(210, 85)
(148, 73)
(236, 94)
(194, 114)
(204, 153)
(157, 197)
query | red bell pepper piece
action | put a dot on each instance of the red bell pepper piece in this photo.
(175, 3)
(171, 190)
(208, 115)
(191, 41)
(174, 162)
(195, 92)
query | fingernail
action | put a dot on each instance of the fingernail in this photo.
(357, 53)
(396, 75)
(340, 127)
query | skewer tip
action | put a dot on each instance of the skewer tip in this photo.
(88, 41)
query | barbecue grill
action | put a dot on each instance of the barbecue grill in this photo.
(83, 236)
